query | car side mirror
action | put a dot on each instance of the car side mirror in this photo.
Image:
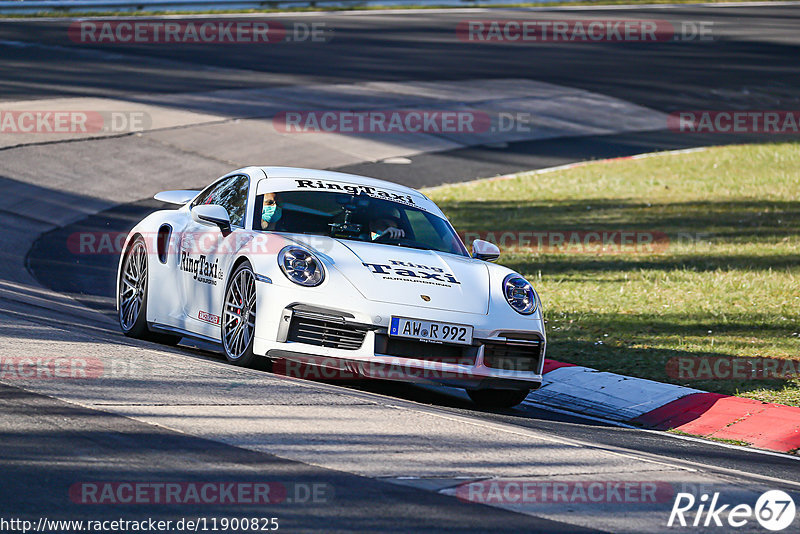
(212, 215)
(483, 250)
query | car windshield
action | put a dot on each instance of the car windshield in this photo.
(363, 218)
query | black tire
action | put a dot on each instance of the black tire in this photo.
(237, 327)
(133, 281)
(132, 291)
(497, 398)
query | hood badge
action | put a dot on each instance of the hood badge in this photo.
(426, 298)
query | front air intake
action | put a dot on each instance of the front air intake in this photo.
(325, 333)
(513, 356)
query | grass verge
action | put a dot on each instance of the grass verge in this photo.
(740, 443)
(712, 300)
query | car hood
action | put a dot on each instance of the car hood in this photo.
(400, 275)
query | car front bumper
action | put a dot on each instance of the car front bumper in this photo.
(336, 343)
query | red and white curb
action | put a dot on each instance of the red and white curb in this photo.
(660, 406)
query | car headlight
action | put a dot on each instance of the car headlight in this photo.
(300, 266)
(520, 294)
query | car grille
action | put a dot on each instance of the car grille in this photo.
(420, 350)
(322, 333)
(513, 356)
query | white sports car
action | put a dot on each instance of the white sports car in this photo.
(333, 270)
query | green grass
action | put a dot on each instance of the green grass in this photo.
(726, 284)
(64, 13)
(740, 443)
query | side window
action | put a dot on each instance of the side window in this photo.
(231, 194)
(209, 193)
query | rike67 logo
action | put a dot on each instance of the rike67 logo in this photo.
(774, 510)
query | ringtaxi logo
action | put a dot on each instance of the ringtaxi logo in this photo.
(193, 32)
(774, 510)
(735, 122)
(73, 122)
(581, 31)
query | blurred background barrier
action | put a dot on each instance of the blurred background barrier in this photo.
(88, 6)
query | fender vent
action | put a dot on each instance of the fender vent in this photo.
(162, 242)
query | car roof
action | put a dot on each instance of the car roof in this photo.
(316, 174)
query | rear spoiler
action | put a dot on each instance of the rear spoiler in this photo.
(181, 196)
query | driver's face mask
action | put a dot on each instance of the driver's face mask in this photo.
(271, 213)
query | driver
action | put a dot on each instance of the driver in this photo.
(385, 225)
(270, 211)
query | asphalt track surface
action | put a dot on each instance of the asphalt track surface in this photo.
(91, 281)
(49, 443)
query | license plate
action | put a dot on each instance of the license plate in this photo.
(431, 331)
